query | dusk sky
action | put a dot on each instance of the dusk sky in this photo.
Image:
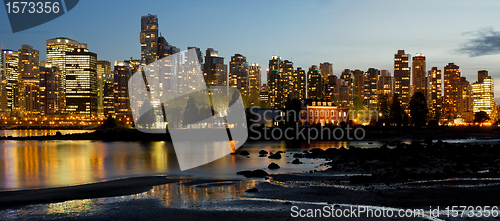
(349, 34)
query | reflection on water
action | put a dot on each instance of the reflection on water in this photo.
(34, 164)
(202, 196)
(205, 195)
(37, 133)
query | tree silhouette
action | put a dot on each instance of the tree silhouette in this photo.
(481, 117)
(292, 111)
(396, 111)
(191, 113)
(418, 109)
(334, 99)
(383, 108)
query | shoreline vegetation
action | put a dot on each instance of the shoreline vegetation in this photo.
(371, 133)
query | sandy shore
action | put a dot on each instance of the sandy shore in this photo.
(119, 187)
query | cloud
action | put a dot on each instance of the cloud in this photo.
(485, 42)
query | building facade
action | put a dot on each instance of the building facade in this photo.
(81, 83)
(483, 94)
(149, 39)
(402, 78)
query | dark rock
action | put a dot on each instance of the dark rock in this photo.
(244, 153)
(253, 173)
(287, 203)
(275, 156)
(263, 155)
(263, 152)
(298, 155)
(252, 190)
(273, 166)
(280, 151)
(296, 161)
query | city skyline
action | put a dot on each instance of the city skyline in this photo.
(340, 39)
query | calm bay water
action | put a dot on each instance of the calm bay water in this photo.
(35, 164)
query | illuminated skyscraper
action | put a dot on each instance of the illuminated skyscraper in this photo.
(385, 83)
(326, 69)
(81, 83)
(348, 86)
(299, 83)
(10, 78)
(483, 94)
(238, 73)
(214, 69)
(254, 80)
(402, 78)
(122, 73)
(50, 78)
(329, 87)
(164, 49)
(451, 92)
(315, 83)
(273, 82)
(286, 83)
(358, 83)
(149, 39)
(28, 84)
(419, 77)
(436, 99)
(370, 88)
(103, 75)
(464, 100)
(56, 56)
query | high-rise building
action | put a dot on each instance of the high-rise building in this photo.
(419, 76)
(238, 73)
(149, 39)
(358, 82)
(108, 98)
(464, 101)
(343, 91)
(10, 78)
(273, 82)
(198, 53)
(264, 95)
(299, 84)
(436, 99)
(385, 83)
(103, 75)
(349, 85)
(402, 78)
(370, 87)
(451, 93)
(315, 83)
(326, 69)
(214, 69)
(28, 84)
(286, 83)
(164, 49)
(254, 80)
(483, 94)
(122, 73)
(81, 83)
(56, 56)
(329, 87)
(50, 78)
